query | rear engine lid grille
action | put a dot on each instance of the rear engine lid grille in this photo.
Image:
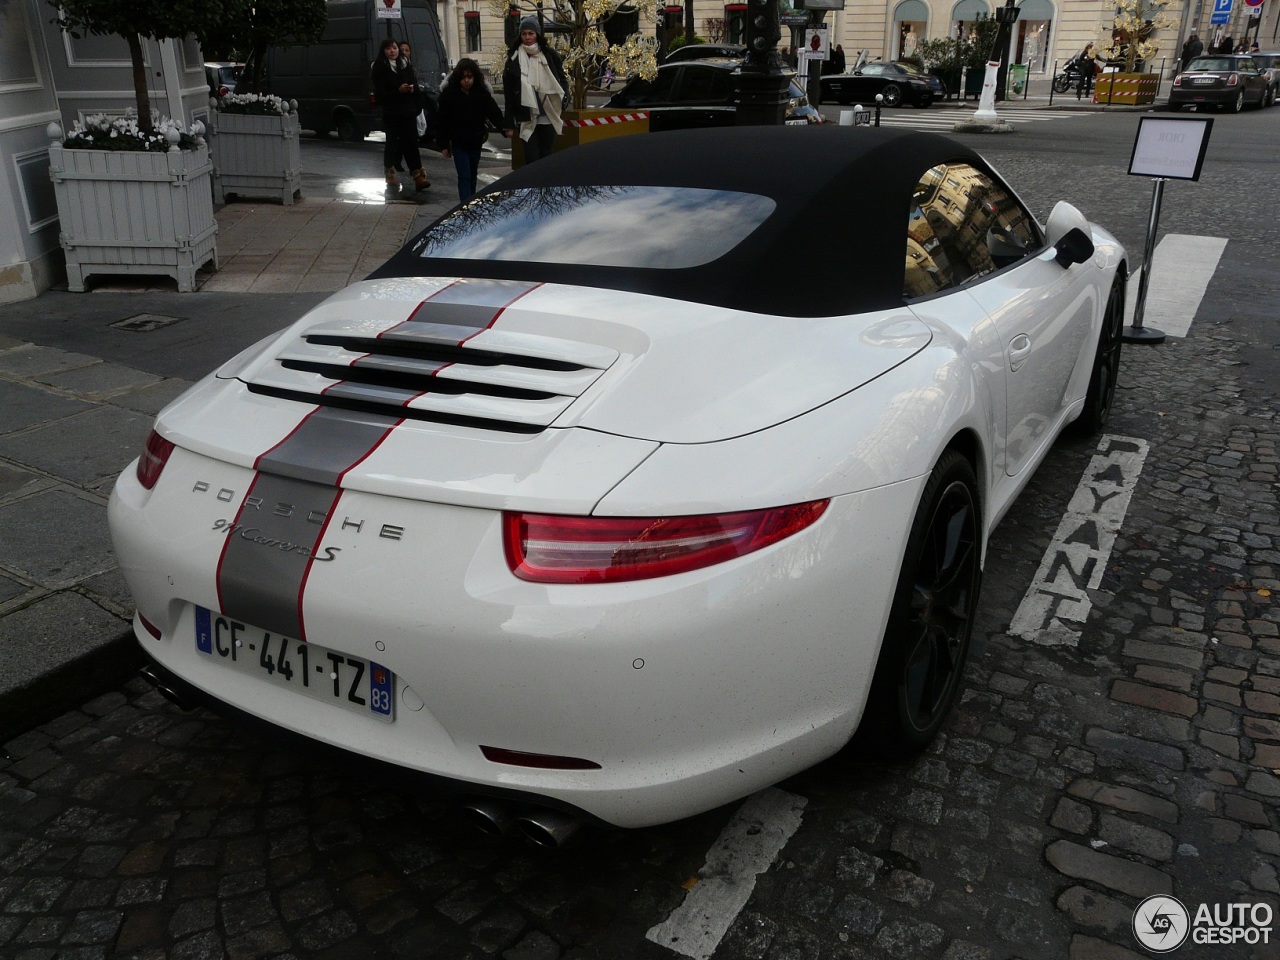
(492, 379)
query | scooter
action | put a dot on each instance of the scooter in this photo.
(1069, 77)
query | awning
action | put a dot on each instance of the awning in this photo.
(913, 10)
(1035, 10)
(971, 10)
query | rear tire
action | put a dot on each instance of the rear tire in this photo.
(1238, 104)
(1061, 83)
(926, 641)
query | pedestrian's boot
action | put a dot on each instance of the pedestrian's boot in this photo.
(420, 179)
(393, 188)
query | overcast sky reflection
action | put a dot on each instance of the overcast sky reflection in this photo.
(652, 227)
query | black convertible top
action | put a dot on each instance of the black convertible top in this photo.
(835, 243)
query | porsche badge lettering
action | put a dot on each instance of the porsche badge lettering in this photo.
(388, 531)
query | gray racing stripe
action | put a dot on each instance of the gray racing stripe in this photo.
(268, 552)
(276, 534)
(464, 307)
(326, 444)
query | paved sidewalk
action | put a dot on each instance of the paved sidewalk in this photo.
(78, 409)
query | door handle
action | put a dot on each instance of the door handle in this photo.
(1019, 350)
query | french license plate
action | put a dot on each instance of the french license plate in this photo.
(1206, 81)
(353, 683)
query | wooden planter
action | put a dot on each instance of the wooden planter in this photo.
(1130, 88)
(125, 212)
(256, 156)
(583, 126)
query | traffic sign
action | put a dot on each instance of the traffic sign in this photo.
(1221, 6)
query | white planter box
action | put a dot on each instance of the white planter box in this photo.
(125, 212)
(256, 156)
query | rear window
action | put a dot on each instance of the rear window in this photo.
(659, 228)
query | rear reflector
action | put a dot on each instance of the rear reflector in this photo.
(545, 548)
(150, 627)
(540, 761)
(154, 456)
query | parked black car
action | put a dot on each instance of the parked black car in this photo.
(893, 80)
(1221, 81)
(698, 93)
(704, 51)
(935, 82)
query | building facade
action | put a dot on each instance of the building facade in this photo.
(1047, 32)
(45, 76)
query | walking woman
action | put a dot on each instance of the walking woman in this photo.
(534, 85)
(396, 89)
(1088, 63)
(466, 109)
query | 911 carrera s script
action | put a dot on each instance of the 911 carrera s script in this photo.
(254, 535)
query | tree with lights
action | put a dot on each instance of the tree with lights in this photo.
(579, 30)
(1132, 31)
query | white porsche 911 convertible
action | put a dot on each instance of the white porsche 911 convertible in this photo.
(583, 502)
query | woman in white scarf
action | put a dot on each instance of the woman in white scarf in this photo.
(534, 85)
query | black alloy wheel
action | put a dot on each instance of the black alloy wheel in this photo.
(927, 638)
(1106, 366)
(892, 94)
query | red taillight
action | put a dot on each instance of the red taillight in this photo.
(1233, 80)
(223, 91)
(1177, 81)
(154, 456)
(545, 548)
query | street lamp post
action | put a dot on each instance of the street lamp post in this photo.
(762, 86)
(1006, 16)
(997, 64)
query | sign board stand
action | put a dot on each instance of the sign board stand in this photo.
(1164, 149)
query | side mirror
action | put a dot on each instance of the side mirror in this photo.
(1074, 247)
(1068, 233)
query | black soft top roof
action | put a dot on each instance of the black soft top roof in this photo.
(835, 244)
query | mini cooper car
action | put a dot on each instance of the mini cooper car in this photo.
(1222, 81)
(579, 502)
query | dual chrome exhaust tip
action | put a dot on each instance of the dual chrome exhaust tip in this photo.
(542, 826)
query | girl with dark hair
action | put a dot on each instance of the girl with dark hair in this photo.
(396, 90)
(466, 109)
(534, 85)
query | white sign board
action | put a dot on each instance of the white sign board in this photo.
(388, 9)
(1169, 148)
(817, 43)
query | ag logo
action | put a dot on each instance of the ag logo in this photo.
(1161, 924)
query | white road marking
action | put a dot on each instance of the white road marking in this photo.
(1057, 603)
(1181, 269)
(745, 849)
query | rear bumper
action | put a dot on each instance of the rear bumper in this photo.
(689, 691)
